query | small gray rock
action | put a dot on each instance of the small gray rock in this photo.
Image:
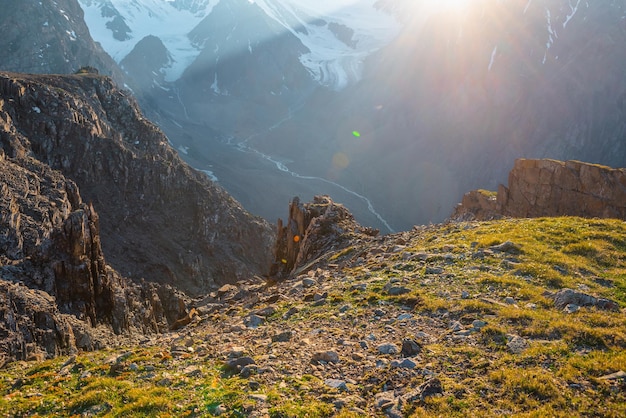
(403, 364)
(516, 344)
(254, 321)
(282, 337)
(388, 348)
(410, 348)
(509, 300)
(308, 282)
(325, 356)
(478, 324)
(336, 384)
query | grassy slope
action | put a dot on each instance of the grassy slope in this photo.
(556, 375)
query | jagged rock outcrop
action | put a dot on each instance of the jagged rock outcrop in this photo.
(57, 293)
(551, 188)
(160, 220)
(311, 231)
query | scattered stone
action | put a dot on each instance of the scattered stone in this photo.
(478, 324)
(236, 352)
(258, 397)
(291, 312)
(236, 365)
(403, 364)
(388, 348)
(509, 300)
(571, 308)
(267, 311)
(465, 295)
(516, 344)
(308, 282)
(433, 270)
(394, 290)
(359, 287)
(336, 384)
(325, 357)
(410, 348)
(254, 321)
(619, 375)
(248, 370)
(384, 400)
(404, 316)
(506, 247)
(282, 337)
(431, 387)
(456, 326)
(565, 297)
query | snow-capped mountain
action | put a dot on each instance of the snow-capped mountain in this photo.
(336, 35)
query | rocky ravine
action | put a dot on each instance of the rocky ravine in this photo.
(156, 219)
(160, 219)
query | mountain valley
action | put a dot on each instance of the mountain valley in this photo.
(147, 148)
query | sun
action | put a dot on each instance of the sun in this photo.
(447, 5)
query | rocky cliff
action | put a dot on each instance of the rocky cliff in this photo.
(57, 294)
(157, 220)
(551, 188)
(160, 219)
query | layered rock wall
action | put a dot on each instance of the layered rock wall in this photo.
(552, 188)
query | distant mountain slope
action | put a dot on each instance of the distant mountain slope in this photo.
(49, 37)
(460, 94)
(160, 219)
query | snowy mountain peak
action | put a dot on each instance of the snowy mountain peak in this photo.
(338, 34)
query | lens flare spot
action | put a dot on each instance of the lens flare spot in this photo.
(356, 134)
(284, 261)
(296, 238)
(340, 161)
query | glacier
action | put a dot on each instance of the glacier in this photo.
(331, 61)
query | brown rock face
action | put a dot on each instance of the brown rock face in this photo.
(311, 231)
(56, 292)
(154, 216)
(553, 188)
(160, 219)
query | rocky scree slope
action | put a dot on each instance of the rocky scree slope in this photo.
(508, 317)
(160, 220)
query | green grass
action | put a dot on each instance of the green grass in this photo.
(558, 374)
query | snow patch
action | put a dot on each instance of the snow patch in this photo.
(184, 149)
(330, 61)
(493, 57)
(211, 175)
(148, 17)
(573, 10)
(527, 6)
(36, 109)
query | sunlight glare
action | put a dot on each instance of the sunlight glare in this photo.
(446, 5)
